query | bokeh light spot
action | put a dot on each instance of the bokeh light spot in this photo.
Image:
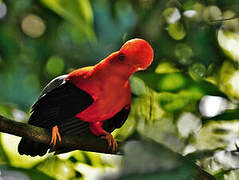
(228, 14)
(188, 123)
(19, 115)
(166, 67)
(211, 106)
(230, 25)
(184, 53)
(228, 161)
(190, 13)
(33, 26)
(3, 10)
(31, 83)
(176, 31)
(172, 15)
(171, 82)
(197, 71)
(212, 13)
(55, 65)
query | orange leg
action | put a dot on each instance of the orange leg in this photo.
(96, 129)
(55, 135)
(110, 140)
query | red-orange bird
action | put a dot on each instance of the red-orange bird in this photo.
(92, 99)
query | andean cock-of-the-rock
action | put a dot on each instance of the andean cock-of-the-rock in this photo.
(93, 100)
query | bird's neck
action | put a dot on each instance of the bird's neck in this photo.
(108, 68)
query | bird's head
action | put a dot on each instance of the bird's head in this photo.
(136, 53)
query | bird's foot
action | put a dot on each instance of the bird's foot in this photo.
(55, 136)
(110, 140)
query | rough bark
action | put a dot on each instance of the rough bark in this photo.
(42, 135)
(93, 144)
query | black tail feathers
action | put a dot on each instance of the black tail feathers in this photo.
(32, 148)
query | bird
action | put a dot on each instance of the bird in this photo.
(93, 99)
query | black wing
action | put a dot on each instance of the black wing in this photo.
(57, 105)
(59, 102)
(117, 121)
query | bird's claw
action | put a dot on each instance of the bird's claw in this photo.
(111, 141)
(55, 136)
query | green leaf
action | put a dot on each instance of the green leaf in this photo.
(9, 146)
(228, 79)
(3, 156)
(221, 175)
(210, 89)
(127, 129)
(56, 168)
(19, 173)
(229, 42)
(172, 102)
(171, 82)
(78, 13)
(86, 10)
(200, 154)
(150, 160)
(176, 82)
(137, 86)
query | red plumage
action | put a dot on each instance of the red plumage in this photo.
(108, 88)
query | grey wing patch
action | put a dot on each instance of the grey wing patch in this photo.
(73, 127)
(55, 83)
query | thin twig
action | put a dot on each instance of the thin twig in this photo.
(225, 19)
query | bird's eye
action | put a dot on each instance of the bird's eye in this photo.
(121, 57)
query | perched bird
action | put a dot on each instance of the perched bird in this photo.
(93, 99)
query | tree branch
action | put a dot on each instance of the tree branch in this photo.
(91, 143)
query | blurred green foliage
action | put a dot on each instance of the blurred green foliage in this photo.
(187, 100)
